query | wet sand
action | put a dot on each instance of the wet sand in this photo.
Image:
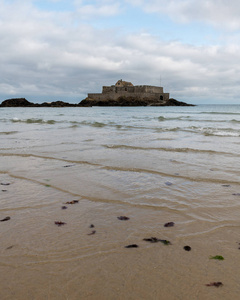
(40, 260)
(152, 166)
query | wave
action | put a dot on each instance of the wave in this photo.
(33, 121)
(173, 129)
(162, 118)
(92, 124)
(221, 132)
(219, 113)
(189, 119)
(235, 121)
(7, 132)
(213, 131)
(183, 150)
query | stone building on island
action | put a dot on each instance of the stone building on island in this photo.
(124, 90)
(123, 93)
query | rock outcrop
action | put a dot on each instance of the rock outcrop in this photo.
(131, 101)
(22, 102)
(88, 102)
(16, 102)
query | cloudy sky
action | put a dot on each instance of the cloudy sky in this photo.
(62, 49)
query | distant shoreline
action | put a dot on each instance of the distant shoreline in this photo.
(122, 101)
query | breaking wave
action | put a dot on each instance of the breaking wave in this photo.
(33, 121)
(183, 150)
(7, 132)
(162, 118)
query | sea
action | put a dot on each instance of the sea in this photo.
(113, 203)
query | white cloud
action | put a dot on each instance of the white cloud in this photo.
(101, 8)
(42, 56)
(220, 13)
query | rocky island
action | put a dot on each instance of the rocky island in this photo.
(123, 93)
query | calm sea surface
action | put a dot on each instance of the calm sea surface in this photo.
(152, 164)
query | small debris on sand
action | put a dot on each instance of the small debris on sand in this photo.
(123, 218)
(64, 207)
(10, 247)
(218, 257)
(68, 166)
(5, 219)
(93, 232)
(216, 284)
(155, 240)
(5, 183)
(187, 248)
(168, 183)
(169, 224)
(59, 223)
(165, 242)
(151, 240)
(132, 246)
(91, 226)
(72, 202)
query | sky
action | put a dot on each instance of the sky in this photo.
(63, 49)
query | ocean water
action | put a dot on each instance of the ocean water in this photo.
(152, 164)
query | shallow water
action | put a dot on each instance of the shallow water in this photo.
(152, 164)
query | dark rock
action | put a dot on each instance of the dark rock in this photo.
(132, 246)
(72, 202)
(131, 101)
(174, 102)
(59, 223)
(10, 247)
(123, 218)
(165, 242)
(93, 232)
(187, 248)
(88, 102)
(16, 102)
(5, 219)
(57, 104)
(91, 226)
(216, 284)
(169, 224)
(64, 207)
(22, 102)
(68, 166)
(151, 240)
(155, 240)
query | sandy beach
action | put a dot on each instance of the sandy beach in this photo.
(150, 166)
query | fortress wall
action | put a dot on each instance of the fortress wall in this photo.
(108, 89)
(154, 89)
(132, 89)
(148, 89)
(96, 96)
(153, 93)
(166, 96)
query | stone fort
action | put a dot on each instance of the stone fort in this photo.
(127, 89)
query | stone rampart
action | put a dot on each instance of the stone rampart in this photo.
(153, 93)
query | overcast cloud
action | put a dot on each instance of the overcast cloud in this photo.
(61, 50)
